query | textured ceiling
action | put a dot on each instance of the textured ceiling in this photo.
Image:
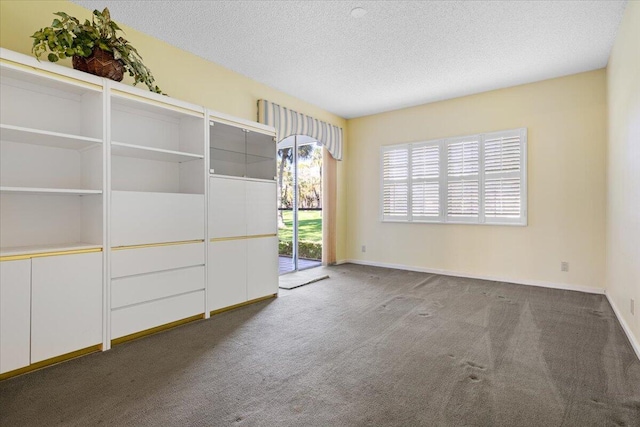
(399, 54)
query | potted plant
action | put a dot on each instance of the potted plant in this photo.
(94, 47)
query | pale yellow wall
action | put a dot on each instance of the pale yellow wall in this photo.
(566, 121)
(180, 74)
(623, 204)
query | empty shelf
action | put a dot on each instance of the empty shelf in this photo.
(48, 191)
(47, 138)
(149, 153)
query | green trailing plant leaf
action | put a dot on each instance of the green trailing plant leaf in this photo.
(67, 37)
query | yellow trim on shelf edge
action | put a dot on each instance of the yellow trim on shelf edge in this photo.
(157, 329)
(46, 254)
(256, 236)
(153, 245)
(52, 361)
(242, 304)
(157, 103)
(47, 73)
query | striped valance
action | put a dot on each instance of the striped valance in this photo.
(288, 122)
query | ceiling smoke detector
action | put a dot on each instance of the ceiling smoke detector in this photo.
(358, 12)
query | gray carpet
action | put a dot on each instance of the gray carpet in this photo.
(369, 346)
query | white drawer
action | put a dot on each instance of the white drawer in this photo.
(140, 217)
(137, 318)
(148, 287)
(128, 262)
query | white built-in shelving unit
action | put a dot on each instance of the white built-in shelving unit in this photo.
(115, 210)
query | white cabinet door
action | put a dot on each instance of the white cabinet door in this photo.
(140, 218)
(261, 208)
(66, 304)
(262, 267)
(15, 314)
(227, 273)
(227, 209)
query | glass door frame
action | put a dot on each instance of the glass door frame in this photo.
(294, 214)
(295, 205)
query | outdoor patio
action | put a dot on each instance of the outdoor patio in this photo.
(286, 264)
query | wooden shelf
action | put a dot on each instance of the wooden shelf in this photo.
(47, 138)
(149, 153)
(48, 191)
(41, 250)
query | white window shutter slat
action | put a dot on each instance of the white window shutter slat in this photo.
(425, 161)
(502, 197)
(396, 164)
(462, 198)
(462, 158)
(426, 200)
(396, 200)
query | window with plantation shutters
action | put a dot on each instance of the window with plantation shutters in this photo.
(477, 179)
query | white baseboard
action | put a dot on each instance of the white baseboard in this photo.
(625, 326)
(566, 287)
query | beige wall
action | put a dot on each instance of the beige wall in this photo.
(566, 190)
(623, 203)
(566, 121)
(179, 73)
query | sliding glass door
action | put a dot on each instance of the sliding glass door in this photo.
(299, 203)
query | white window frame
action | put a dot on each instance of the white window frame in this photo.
(444, 218)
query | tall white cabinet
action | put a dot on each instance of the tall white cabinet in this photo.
(242, 214)
(122, 212)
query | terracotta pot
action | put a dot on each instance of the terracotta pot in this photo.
(100, 63)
